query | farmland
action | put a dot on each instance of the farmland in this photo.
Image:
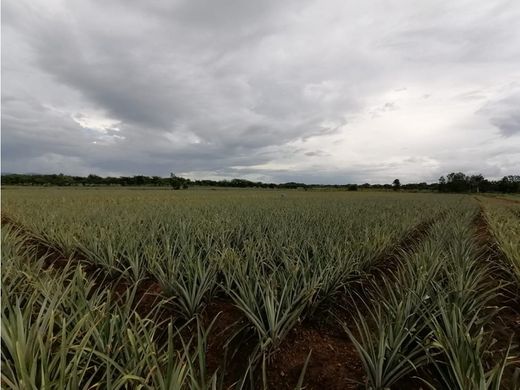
(203, 289)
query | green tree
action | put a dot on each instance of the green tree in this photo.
(475, 182)
(457, 182)
(178, 182)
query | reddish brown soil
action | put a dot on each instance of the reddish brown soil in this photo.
(148, 293)
(334, 363)
(225, 346)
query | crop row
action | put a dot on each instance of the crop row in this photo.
(504, 222)
(61, 331)
(433, 317)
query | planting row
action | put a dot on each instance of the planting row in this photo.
(504, 222)
(433, 318)
(60, 331)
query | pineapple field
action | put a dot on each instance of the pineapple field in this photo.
(259, 289)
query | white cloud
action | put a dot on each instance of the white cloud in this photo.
(97, 123)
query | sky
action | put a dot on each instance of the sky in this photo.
(327, 91)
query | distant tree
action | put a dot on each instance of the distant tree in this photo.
(396, 184)
(509, 183)
(457, 182)
(94, 179)
(475, 182)
(177, 182)
(487, 186)
(442, 184)
(292, 185)
(352, 187)
(139, 180)
(422, 186)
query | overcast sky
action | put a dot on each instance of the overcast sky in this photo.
(314, 91)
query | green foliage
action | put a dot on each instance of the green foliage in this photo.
(433, 310)
(60, 331)
(278, 259)
(504, 221)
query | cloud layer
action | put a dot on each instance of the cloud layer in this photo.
(321, 91)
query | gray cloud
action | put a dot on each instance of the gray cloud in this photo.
(505, 113)
(508, 125)
(128, 87)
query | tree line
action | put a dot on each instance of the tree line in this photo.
(453, 182)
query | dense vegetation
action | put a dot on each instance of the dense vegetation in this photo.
(111, 288)
(454, 182)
